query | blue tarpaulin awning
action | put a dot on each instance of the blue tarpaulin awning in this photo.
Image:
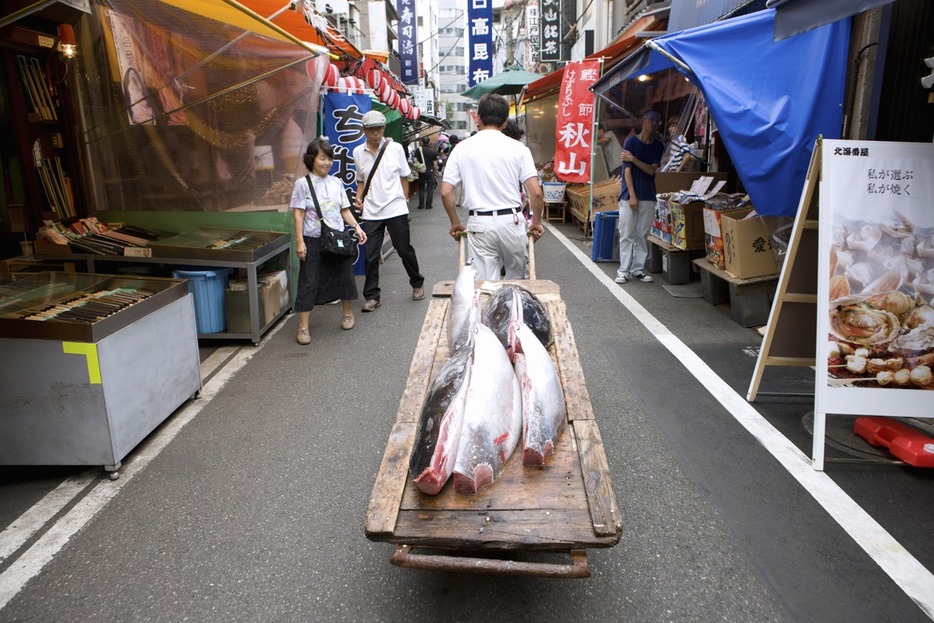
(769, 99)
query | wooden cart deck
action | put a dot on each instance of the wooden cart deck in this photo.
(567, 507)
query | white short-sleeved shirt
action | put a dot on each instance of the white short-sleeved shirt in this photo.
(331, 198)
(491, 166)
(385, 198)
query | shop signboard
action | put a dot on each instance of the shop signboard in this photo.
(549, 48)
(531, 26)
(574, 129)
(875, 299)
(408, 41)
(343, 127)
(480, 29)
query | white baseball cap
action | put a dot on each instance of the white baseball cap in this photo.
(374, 119)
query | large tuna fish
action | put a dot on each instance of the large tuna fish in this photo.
(464, 313)
(440, 423)
(543, 408)
(492, 415)
(510, 303)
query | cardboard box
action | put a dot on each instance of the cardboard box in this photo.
(687, 225)
(747, 247)
(674, 181)
(713, 233)
(661, 224)
(274, 292)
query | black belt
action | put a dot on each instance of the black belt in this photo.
(493, 212)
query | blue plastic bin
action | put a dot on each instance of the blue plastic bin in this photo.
(605, 237)
(208, 287)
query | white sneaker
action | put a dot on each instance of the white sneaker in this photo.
(621, 279)
(643, 277)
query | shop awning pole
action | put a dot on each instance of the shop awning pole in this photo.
(314, 49)
(654, 46)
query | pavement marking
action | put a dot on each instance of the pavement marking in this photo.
(896, 561)
(32, 561)
(26, 525)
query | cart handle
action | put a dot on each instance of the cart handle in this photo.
(403, 557)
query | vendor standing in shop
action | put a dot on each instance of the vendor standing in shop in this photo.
(642, 155)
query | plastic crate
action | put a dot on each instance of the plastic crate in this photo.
(605, 237)
(208, 287)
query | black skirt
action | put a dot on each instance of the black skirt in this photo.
(323, 278)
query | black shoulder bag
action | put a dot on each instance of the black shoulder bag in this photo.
(335, 242)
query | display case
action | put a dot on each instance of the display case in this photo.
(92, 364)
(213, 248)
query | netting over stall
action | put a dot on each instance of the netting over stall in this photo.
(181, 111)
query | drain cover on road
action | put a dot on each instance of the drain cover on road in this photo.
(840, 436)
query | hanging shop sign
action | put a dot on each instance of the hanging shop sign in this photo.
(480, 24)
(875, 296)
(343, 127)
(550, 41)
(532, 26)
(408, 39)
(574, 130)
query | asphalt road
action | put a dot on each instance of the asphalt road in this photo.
(248, 504)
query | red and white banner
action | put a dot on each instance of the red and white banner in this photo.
(574, 130)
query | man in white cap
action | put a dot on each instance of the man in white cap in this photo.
(384, 207)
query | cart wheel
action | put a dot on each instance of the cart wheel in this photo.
(196, 395)
(113, 475)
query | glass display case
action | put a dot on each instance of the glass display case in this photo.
(91, 365)
(78, 306)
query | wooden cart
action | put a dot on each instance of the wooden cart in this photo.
(517, 524)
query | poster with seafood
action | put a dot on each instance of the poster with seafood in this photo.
(875, 346)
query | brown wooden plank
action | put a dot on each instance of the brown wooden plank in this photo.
(423, 360)
(597, 483)
(553, 530)
(559, 485)
(383, 508)
(576, 396)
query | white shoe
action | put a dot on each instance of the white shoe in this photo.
(621, 279)
(643, 277)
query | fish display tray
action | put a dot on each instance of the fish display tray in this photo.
(515, 525)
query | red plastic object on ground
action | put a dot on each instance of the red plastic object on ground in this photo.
(904, 442)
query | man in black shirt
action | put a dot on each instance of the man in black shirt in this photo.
(426, 186)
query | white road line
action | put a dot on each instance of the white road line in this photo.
(31, 562)
(26, 525)
(897, 562)
(214, 361)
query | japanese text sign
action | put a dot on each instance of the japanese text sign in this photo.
(408, 41)
(480, 31)
(550, 20)
(875, 346)
(343, 127)
(574, 130)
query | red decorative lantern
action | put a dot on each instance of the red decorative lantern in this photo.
(374, 78)
(416, 113)
(331, 76)
(405, 107)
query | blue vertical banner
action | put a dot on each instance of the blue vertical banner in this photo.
(480, 28)
(408, 41)
(343, 127)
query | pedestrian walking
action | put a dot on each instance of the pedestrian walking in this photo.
(382, 188)
(322, 278)
(642, 154)
(426, 180)
(490, 167)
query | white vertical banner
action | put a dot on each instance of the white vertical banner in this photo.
(875, 298)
